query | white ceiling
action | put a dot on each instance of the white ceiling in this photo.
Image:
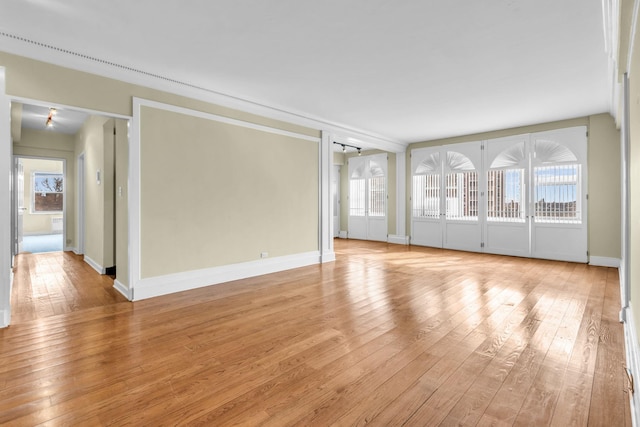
(407, 70)
(64, 121)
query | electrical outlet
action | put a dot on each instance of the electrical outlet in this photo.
(264, 254)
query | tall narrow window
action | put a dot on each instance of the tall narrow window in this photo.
(48, 192)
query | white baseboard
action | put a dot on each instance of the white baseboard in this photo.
(5, 318)
(71, 249)
(343, 234)
(633, 361)
(603, 261)
(328, 257)
(171, 283)
(124, 290)
(97, 267)
(398, 240)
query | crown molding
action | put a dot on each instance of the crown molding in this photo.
(33, 49)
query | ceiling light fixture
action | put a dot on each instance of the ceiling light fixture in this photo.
(49, 122)
(344, 147)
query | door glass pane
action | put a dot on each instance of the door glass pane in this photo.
(357, 197)
(505, 195)
(462, 196)
(426, 196)
(377, 196)
(557, 194)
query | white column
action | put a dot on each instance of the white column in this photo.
(326, 201)
(6, 154)
(401, 200)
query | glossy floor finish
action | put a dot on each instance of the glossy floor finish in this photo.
(386, 335)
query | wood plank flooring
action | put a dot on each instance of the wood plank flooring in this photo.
(386, 335)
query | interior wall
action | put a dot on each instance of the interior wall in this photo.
(605, 197)
(603, 147)
(215, 194)
(37, 143)
(89, 140)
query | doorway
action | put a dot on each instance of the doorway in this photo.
(368, 197)
(40, 205)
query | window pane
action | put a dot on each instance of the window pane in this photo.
(47, 192)
(505, 195)
(557, 195)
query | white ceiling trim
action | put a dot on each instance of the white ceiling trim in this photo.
(40, 51)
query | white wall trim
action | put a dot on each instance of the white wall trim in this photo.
(398, 239)
(343, 234)
(97, 267)
(71, 249)
(633, 361)
(178, 282)
(124, 290)
(223, 119)
(401, 193)
(603, 261)
(6, 160)
(325, 214)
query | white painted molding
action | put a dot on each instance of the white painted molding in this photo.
(328, 257)
(6, 156)
(124, 290)
(5, 318)
(398, 240)
(222, 119)
(401, 193)
(97, 267)
(178, 282)
(343, 234)
(71, 249)
(633, 362)
(602, 261)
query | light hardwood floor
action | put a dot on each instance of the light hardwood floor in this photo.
(386, 335)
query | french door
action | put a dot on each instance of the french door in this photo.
(446, 196)
(368, 197)
(523, 195)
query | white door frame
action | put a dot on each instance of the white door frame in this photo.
(80, 208)
(6, 157)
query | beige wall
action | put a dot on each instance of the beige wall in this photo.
(604, 187)
(603, 175)
(214, 194)
(89, 140)
(36, 143)
(28, 78)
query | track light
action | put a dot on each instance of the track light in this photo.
(344, 147)
(49, 122)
